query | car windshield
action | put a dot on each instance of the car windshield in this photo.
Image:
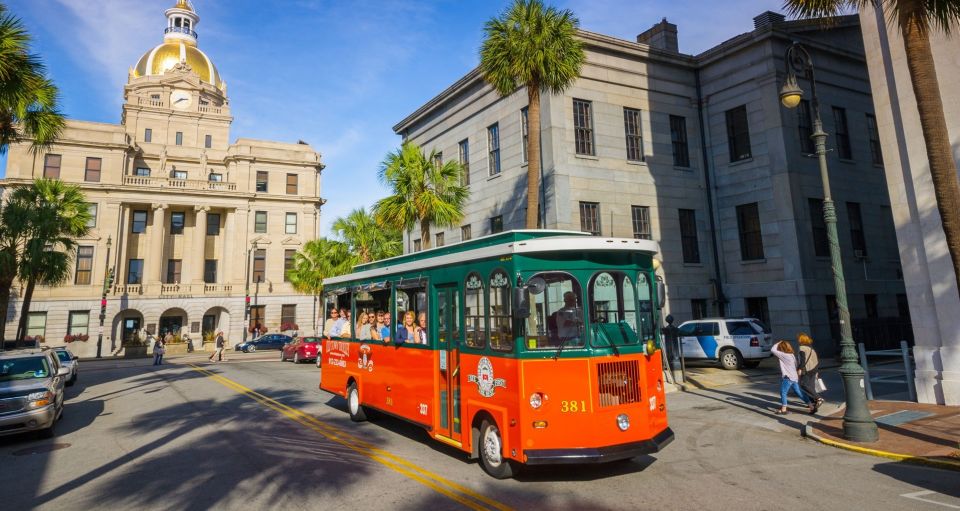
(63, 356)
(25, 368)
(311, 339)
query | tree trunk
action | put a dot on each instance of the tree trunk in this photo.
(25, 311)
(424, 235)
(533, 157)
(5, 287)
(943, 170)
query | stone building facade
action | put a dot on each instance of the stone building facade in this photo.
(189, 223)
(696, 152)
(928, 273)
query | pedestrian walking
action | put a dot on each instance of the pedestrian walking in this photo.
(158, 351)
(808, 367)
(789, 379)
(218, 354)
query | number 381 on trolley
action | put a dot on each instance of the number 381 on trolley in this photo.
(520, 348)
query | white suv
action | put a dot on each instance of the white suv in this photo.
(734, 342)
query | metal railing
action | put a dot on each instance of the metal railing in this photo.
(905, 353)
(180, 30)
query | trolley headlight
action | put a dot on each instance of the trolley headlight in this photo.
(536, 400)
(650, 347)
(623, 422)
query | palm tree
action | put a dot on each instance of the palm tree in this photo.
(319, 259)
(916, 20)
(533, 46)
(12, 239)
(365, 238)
(425, 191)
(28, 100)
(55, 215)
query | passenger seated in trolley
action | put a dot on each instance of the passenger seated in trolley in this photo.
(565, 324)
(407, 330)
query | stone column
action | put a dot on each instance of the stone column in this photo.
(154, 270)
(193, 260)
(228, 252)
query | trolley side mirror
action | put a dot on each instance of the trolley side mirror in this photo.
(661, 294)
(521, 303)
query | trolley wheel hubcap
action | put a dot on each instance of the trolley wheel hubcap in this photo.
(491, 446)
(354, 401)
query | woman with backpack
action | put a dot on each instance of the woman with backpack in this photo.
(808, 367)
(789, 379)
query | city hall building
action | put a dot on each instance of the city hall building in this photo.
(697, 153)
(189, 223)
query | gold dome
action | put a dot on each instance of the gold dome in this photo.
(164, 56)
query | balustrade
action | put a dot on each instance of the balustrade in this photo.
(181, 184)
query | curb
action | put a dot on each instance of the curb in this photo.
(808, 432)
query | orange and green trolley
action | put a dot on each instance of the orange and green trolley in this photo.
(537, 347)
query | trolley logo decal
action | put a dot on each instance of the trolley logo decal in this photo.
(366, 358)
(486, 383)
(337, 353)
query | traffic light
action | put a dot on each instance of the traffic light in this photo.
(110, 278)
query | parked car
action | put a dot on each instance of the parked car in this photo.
(734, 342)
(31, 391)
(264, 342)
(70, 361)
(301, 349)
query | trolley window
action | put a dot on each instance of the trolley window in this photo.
(411, 314)
(474, 311)
(647, 309)
(613, 312)
(501, 320)
(556, 317)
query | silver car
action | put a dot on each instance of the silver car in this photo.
(68, 360)
(31, 391)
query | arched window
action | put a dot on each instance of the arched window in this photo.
(613, 309)
(501, 319)
(474, 311)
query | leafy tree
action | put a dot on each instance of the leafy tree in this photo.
(12, 238)
(28, 99)
(319, 259)
(536, 47)
(916, 19)
(368, 240)
(425, 191)
(54, 214)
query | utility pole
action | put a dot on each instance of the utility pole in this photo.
(107, 283)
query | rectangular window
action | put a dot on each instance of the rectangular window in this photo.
(465, 233)
(213, 224)
(288, 263)
(439, 242)
(261, 181)
(583, 127)
(870, 306)
(903, 307)
(84, 269)
(678, 136)
(290, 223)
(438, 159)
(688, 236)
(37, 324)
(92, 208)
(51, 166)
(91, 172)
(465, 161)
(876, 154)
(208, 141)
(259, 265)
(590, 217)
(215, 177)
(179, 174)
(142, 172)
(139, 223)
(524, 132)
(857, 238)
(210, 271)
(148, 135)
(841, 133)
(78, 323)
(292, 184)
(260, 221)
(493, 150)
(496, 224)
(757, 309)
(631, 131)
(176, 222)
(821, 245)
(698, 308)
(179, 136)
(641, 222)
(417, 245)
(288, 316)
(751, 239)
(173, 271)
(738, 134)
(135, 271)
(805, 128)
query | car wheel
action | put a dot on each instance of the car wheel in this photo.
(731, 359)
(357, 413)
(491, 453)
(751, 364)
(283, 356)
(251, 349)
(296, 358)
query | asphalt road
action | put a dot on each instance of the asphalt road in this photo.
(254, 433)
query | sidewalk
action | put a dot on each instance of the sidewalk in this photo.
(910, 432)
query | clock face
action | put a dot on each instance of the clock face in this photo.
(180, 99)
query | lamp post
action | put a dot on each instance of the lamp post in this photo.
(858, 425)
(246, 300)
(107, 282)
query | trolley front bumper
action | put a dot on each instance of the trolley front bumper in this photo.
(599, 454)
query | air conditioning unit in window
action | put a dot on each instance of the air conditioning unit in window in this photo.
(859, 254)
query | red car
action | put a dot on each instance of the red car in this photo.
(302, 348)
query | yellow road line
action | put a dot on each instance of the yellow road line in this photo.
(434, 481)
(922, 460)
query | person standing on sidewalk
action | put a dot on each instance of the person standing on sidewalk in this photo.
(808, 367)
(158, 351)
(218, 354)
(789, 379)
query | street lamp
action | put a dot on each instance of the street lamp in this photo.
(858, 425)
(246, 300)
(107, 282)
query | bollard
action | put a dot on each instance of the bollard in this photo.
(866, 371)
(908, 371)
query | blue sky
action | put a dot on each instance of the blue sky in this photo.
(335, 73)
